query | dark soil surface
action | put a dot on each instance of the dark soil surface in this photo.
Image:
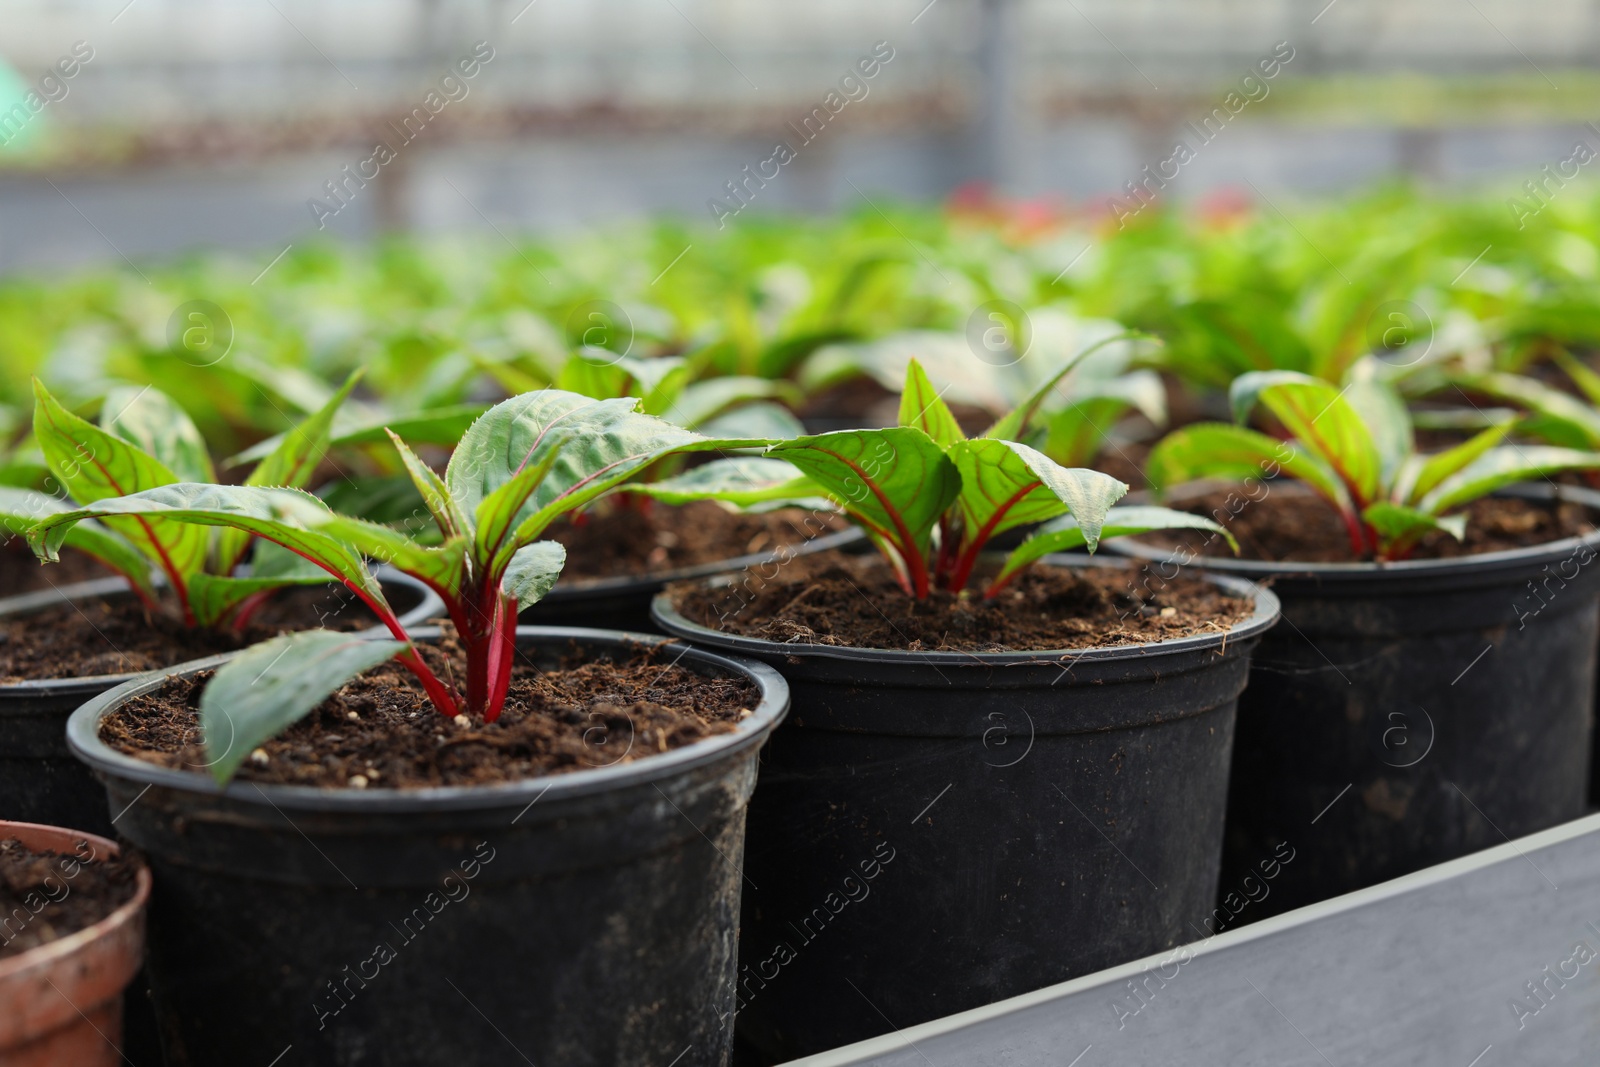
(1291, 525)
(52, 895)
(379, 731)
(21, 571)
(634, 541)
(840, 600)
(113, 636)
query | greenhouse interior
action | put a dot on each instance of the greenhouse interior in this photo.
(932, 533)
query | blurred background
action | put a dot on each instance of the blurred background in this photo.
(216, 123)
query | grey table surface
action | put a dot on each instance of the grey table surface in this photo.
(1492, 960)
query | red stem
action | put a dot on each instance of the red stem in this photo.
(248, 607)
(438, 692)
(903, 541)
(1352, 526)
(969, 558)
(502, 651)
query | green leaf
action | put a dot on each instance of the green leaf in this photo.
(609, 442)
(297, 454)
(743, 482)
(435, 496)
(661, 396)
(1214, 341)
(289, 465)
(1432, 470)
(1468, 418)
(703, 401)
(1218, 450)
(1500, 467)
(1319, 418)
(923, 408)
(604, 375)
(213, 599)
(1065, 534)
(1576, 422)
(780, 357)
(510, 378)
(269, 687)
(294, 519)
(498, 512)
(147, 417)
(93, 465)
(533, 572)
(1015, 423)
(763, 421)
(519, 432)
(1399, 527)
(434, 426)
(442, 566)
(897, 482)
(1587, 381)
(272, 560)
(21, 508)
(1385, 416)
(1075, 434)
(1142, 389)
(1005, 484)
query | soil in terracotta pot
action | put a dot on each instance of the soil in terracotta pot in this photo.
(21, 571)
(840, 600)
(634, 541)
(379, 731)
(1288, 524)
(45, 896)
(118, 635)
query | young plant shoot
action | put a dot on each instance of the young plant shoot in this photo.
(929, 498)
(145, 441)
(1355, 448)
(522, 465)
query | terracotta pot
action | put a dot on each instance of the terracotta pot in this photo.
(61, 1003)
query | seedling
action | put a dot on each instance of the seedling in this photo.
(929, 498)
(1073, 403)
(525, 463)
(144, 441)
(1355, 448)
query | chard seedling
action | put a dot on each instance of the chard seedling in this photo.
(522, 465)
(1355, 448)
(144, 441)
(929, 498)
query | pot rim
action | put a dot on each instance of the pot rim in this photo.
(1261, 619)
(84, 740)
(89, 684)
(580, 589)
(1480, 563)
(46, 955)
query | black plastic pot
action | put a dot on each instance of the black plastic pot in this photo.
(1405, 714)
(581, 919)
(39, 780)
(624, 603)
(935, 831)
